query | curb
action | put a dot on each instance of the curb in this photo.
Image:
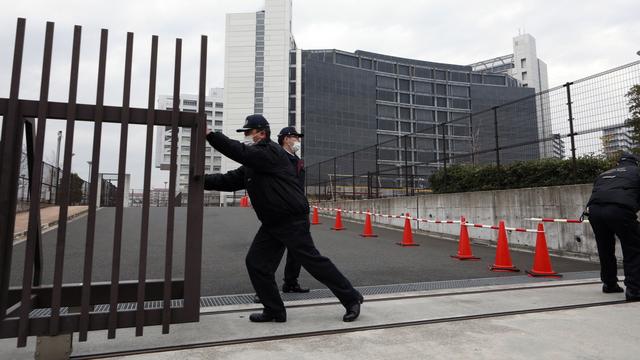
(23, 234)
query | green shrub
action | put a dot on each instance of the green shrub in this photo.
(535, 173)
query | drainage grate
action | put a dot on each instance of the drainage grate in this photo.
(209, 301)
(239, 299)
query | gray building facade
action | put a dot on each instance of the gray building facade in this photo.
(351, 101)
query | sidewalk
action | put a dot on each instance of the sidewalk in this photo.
(48, 218)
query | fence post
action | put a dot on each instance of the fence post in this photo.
(497, 137)
(574, 166)
(444, 152)
(335, 179)
(406, 167)
(377, 171)
(319, 179)
(353, 174)
(473, 151)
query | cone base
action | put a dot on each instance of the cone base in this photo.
(338, 229)
(368, 235)
(401, 244)
(551, 274)
(465, 257)
(499, 268)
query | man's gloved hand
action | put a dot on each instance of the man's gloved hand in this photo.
(585, 214)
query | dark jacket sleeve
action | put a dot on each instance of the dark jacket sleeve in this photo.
(254, 157)
(231, 181)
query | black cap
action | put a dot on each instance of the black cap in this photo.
(255, 121)
(289, 130)
(627, 156)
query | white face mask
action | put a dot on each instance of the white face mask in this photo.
(296, 147)
(248, 140)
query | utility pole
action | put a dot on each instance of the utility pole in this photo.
(58, 149)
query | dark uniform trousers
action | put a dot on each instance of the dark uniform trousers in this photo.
(291, 270)
(606, 221)
(266, 252)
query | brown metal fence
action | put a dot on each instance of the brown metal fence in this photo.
(72, 307)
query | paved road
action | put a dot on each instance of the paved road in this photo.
(228, 233)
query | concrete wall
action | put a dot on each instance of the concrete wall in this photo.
(489, 207)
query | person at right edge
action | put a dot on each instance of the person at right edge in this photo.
(282, 207)
(612, 210)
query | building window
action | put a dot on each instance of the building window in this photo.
(460, 91)
(385, 96)
(423, 73)
(423, 100)
(441, 89)
(366, 63)
(218, 113)
(459, 76)
(441, 75)
(189, 102)
(405, 98)
(346, 60)
(403, 85)
(422, 87)
(208, 104)
(386, 67)
(387, 111)
(218, 105)
(523, 63)
(403, 70)
(218, 122)
(524, 76)
(386, 82)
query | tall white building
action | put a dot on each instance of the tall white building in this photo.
(256, 68)
(616, 139)
(189, 103)
(525, 66)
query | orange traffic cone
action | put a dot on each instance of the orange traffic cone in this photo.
(464, 246)
(315, 220)
(338, 225)
(407, 237)
(242, 201)
(542, 262)
(368, 230)
(503, 257)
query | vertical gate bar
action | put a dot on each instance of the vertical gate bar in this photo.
(93, 190)
(56, 294)
(122, 163)
(35, 180)
(168, 257)
(193, 253)
(144, 232)
(9, 169)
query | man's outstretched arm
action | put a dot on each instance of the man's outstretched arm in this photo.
(231, 181)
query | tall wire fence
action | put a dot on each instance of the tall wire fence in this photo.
(586, 117)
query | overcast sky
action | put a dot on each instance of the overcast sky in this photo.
(574, 38)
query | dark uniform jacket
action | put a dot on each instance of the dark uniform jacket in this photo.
(276, 193)
(619, 186)
(298, 165)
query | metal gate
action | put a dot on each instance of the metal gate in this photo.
(113, 304)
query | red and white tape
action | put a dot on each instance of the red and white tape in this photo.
(570, 221)
(493, 227)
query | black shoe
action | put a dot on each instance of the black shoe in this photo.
(611, 288)
(265, 317)
(256, 299)
(353, 310)
(295, 288)
(632, 295)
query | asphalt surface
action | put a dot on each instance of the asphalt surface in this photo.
(228, 233)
